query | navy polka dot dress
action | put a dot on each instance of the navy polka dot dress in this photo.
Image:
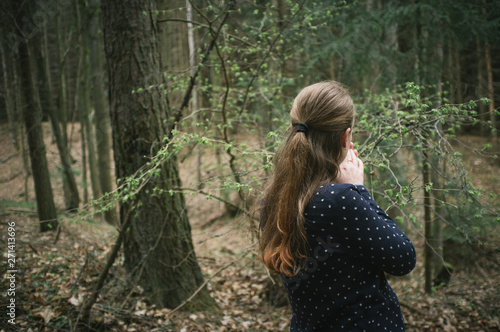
(342, 286)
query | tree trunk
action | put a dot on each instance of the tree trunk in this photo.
(33, 121)
(62, 97)
(81, 118)
(46, 59)
(19, 111)
(483, 114)
(85, 109)
(458, 78)
(391, 44)
(71, 196)
(449, 67)
(427, 222)
(158, 247)
(102, 125)
(194, 102)
(437, 223)
(89, 135)
(491, 91)
(173, 44)
(9, 95)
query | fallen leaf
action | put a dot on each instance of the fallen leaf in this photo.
(46, 314)
(74, 301)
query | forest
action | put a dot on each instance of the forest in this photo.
(137, 138)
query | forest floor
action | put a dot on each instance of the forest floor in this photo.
(56, 273)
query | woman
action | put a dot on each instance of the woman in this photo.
(322, 231)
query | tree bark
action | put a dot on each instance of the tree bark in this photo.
(71, 195)
(438, 197)
(81, 119)
(173, 44)
(491, 91)
(102, 121)
(458, 78)
(19, 111)
(194, 102)
(85, 104)
(46, 59)
(33, 121)
(427, 223)
(158, 247)
(9, 95)
(62, 98)
(483, 114)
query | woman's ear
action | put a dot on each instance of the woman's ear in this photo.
(344, 138)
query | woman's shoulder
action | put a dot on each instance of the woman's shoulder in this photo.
(335, 192)
(329, 198)
(339, 188)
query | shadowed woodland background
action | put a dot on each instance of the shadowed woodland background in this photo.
(137, 136)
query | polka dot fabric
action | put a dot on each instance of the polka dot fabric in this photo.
(341, 285)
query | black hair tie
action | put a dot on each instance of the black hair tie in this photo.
(303, 128)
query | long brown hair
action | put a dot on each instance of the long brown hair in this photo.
(303, 163)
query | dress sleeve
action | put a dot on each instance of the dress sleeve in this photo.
(366, 231)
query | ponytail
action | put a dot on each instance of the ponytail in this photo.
(309, 157)
(284, 241)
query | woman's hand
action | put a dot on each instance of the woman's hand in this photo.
(351, 169)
